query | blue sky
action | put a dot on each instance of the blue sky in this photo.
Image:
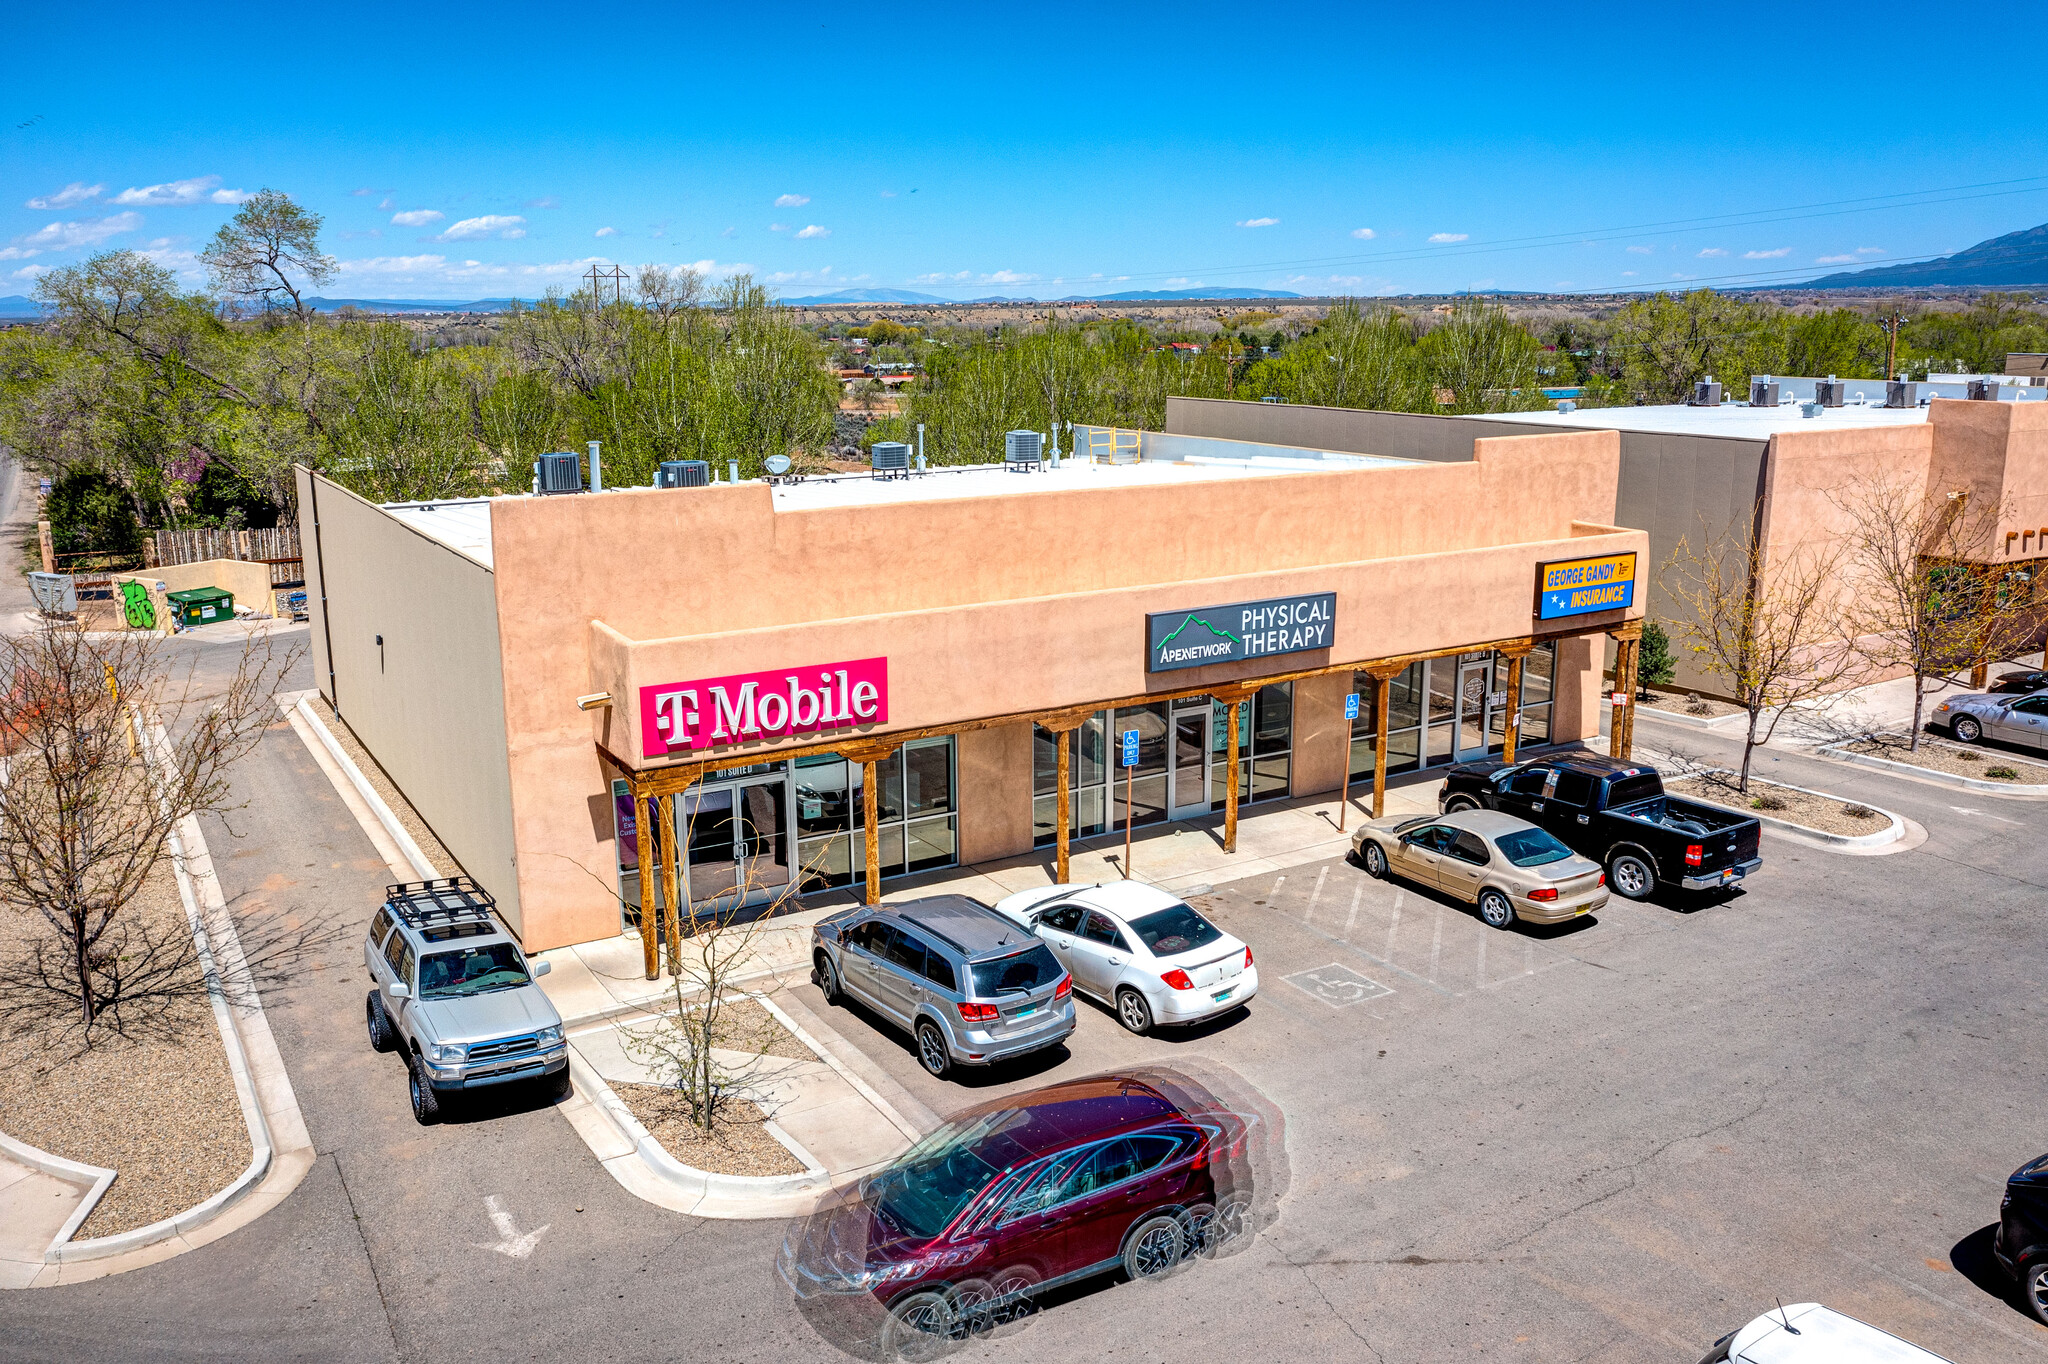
(481, 151)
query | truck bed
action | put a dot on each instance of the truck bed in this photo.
(1683, 816)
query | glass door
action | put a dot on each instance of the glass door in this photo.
(735, 842)
(761, 843)
(710, 870)
(1190, 766)
(1473, 678)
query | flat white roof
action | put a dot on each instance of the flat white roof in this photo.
(1736, 420)
(464, 526)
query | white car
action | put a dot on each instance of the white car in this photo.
(1141, 950)
(1807, 1333)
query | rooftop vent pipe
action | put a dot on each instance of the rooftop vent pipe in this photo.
(596, 470)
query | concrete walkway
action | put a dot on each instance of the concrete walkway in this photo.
(34, 1207)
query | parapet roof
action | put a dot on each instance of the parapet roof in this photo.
(1736, 420)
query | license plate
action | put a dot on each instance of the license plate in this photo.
(1729, 875)
(1025, 1013)
(1582, 909)
(1221, 995)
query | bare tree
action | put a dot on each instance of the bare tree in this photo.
(1771, 630)
(1926, 599)
(86, 816)
(257, 253)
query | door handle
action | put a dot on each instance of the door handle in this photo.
(1116, 961)
(1065, 943)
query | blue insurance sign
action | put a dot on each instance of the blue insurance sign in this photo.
(1581, 587)
(1241, 630)
(1130, 748)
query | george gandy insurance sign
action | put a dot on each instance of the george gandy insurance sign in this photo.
(748, 707)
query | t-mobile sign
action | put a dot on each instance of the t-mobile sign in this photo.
(767, 705)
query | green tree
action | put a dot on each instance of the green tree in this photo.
(1839, 341)
(1667, 342)
(91, 513)
(269, 254)
(1484, 359)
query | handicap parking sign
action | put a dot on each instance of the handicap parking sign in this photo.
(1351, 706)
(1130, 748)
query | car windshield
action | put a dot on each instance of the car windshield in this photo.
(1530, 847)
(472, 971)
(924, 1191)
(1019, 973)
(1175, 929)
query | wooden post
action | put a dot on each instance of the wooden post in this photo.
(874, 842)
(1979, 676)
(149, 554)
(1063, 806)
(1230, 783)
(1621, 730)
(1380, 686)
(665, 823)
(1511, 736)
(242, 544)
(49, 547)
(650, 919)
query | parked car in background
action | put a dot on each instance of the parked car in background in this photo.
(453, 993)
(1508, 867)
(1139, 949)
(1617, 814)
(2021, 1241)
(1808, 1333)
(1019, 1195)
(2021, 721)
(970, 986)
(2022, 682)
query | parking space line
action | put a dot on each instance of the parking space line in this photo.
(1357, 894)
(1436, 944)
(1309, 914)
(1480, 972)
(1394, 924)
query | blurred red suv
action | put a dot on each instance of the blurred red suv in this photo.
(1020, 1195)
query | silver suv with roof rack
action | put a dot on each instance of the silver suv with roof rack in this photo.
(970, 986)
(455, 995)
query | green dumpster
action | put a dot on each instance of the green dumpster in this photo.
(201, 605)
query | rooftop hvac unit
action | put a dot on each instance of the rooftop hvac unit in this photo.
(1899, 393)
(1983, 390)
(1829, 392)
(558, 473)
(1705, 393)
(1023, 449)
(683, 473)
(889, 459)
(1763, 392)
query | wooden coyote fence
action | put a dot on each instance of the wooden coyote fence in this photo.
(278, 547)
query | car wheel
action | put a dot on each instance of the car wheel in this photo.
(557, 1085)
(1133, 1011)
(2034, 1288)
(1213, 1232)
(826, 978)
(1011, 1291)
(1154, 1248)
(1496, 909)
(382, 1037)
(1631, 877)
(931, 1050)
(1375, 861)
(920, 1327)
(426, 1105)
(1966, 729)
(1460, 804)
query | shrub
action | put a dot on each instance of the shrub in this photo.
(90, 513)
(1767, 802)
(2002, 773)
(1859, 811)
(1964, 755)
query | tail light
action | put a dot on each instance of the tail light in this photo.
(1178, 979)
(1247, 956)
(1066, 987)
(1544, 893)
(1600, 880)
(980, 1013)
(1693, 853)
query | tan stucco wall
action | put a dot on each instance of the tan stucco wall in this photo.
(430, 705)
(249, 582)
(1321, 733)
(994, 767)
(1575, 707)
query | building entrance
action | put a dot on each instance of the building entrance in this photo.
(1188, 781)
(735, 841)
(1475, 684)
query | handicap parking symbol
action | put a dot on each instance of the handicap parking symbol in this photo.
(1337, 985)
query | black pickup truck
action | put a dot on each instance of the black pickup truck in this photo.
(1617, 814)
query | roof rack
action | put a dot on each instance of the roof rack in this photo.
(447, 900)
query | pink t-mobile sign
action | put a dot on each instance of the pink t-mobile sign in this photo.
(766, 705)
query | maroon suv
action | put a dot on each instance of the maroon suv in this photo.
(1019, 1195)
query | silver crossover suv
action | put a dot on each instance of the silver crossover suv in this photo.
(970, 986)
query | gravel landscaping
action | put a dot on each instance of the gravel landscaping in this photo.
(1782, 802)
(1938, 755)
(1689, 703)
(162, 1114)
(740, 1145)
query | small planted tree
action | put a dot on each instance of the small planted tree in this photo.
(1769, 629)
(1655, 667)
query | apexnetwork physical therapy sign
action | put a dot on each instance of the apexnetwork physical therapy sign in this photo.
(1246, 629)
(1579, 587)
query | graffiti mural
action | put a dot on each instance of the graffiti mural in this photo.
(135, 603)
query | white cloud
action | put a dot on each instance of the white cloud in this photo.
(888, 194)
(791, 200)
(1007, 277)
(1835, 260)
(1179, 282)
(778, 227)
(1449, 236)
(1628, 274)
(812, 232)
(1870, 251)
(29, 272)
(606, 232)
(64, 236)
(545, 201)
(1364, 234)
(417, 217)
(730, 232)
(201, 189)
(941, 277)
(434, 275)
(1712, 251)
(361, 193)
(77, 192)
(349, 236)
(1259, 222)
(1641, 250)
(387, 202)
(658, 230)
(1767, 255)
(509, 227)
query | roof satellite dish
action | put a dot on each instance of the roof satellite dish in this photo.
(777, 464)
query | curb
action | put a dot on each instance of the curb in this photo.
(1938, 778)
(1891, 834)
(1715, 722)
(96, 1178)
(397, 831)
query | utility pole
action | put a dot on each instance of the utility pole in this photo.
(1891, 327)
(598, 278)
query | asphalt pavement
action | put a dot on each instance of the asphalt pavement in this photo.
(1610, 1141)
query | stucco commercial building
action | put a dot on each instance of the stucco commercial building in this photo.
(602, 702)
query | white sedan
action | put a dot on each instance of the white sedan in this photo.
(1140, 950)
(1807, 1333)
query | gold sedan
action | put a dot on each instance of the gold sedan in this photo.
(1508, 867)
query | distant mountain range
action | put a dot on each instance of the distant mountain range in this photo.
(15, 307)
(847, 296)
(413, 305)
(2017, 258)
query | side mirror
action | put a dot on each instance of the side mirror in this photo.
(401, 991)
(541, 968)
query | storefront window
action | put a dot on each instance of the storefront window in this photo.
(916, 814)
(1085, 777)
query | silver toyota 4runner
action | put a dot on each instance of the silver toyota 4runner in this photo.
(455, 996)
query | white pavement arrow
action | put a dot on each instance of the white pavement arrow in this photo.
(511, 1243)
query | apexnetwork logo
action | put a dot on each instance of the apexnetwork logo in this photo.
(1198, 647)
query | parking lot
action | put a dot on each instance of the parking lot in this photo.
(1616, 1138)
